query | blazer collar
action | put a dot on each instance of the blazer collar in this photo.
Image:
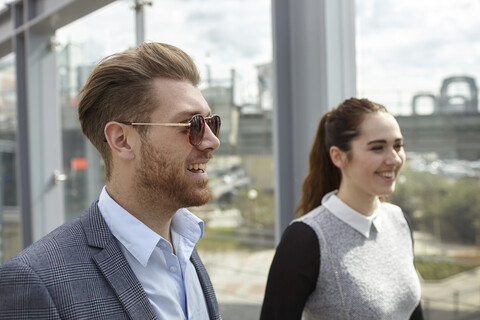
(96, 230)
(114, 266)
(211, 299)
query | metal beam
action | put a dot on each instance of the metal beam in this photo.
(45, 15)
(27, 27)
(140, 20)
(314, 70)
(23, 150)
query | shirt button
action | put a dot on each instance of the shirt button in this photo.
(173, 269)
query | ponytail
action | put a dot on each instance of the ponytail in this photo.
(323, 175)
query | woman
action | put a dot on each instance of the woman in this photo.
(350, 254)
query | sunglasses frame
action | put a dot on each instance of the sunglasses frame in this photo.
(188, 125)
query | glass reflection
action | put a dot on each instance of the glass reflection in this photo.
(236, 81)
(231, 43)
(76, 58)
(419, 58)
(10, 235)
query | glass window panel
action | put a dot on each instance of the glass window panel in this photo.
(230, 41)
(82, 44)
(420, 59)
(10, 230)
(236, 81)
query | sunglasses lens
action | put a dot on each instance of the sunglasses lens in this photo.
(214, 124)
(197, 130)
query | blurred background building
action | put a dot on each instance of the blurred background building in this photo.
(270, 69)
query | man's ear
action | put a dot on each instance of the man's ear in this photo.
(119, 138)
(339, 157)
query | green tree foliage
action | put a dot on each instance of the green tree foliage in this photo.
(446, 207)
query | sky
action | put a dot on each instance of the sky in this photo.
(409, 46)
(403, 47)
(219, 35)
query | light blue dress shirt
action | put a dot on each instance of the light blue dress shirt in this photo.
(169, 279)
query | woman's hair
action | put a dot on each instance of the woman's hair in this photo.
(338, 127)
(120, 88)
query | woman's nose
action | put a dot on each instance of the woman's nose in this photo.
(395, 157)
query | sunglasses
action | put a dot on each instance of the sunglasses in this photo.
(195, 126)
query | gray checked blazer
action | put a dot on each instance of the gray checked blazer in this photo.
(79, 272)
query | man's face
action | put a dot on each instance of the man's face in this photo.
(170, 170)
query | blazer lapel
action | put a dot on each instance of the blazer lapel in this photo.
(113, 265)
(212, 304)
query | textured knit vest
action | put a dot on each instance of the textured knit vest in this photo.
(363, 278)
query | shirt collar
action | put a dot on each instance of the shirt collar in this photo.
(139, 239)
(186, 229)
(351, 217)
(188, 225)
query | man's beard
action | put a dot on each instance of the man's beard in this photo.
(161, 181)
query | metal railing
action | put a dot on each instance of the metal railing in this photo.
(463, 305)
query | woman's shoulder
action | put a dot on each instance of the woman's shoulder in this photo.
(319, 219)
(299, 231)
(311, 215)
(395, 214)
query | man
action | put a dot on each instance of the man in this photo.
(132, 254)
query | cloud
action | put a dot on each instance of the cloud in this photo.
(233, 30)
(407, 46)
(218, 33)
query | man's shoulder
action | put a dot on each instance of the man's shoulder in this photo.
(57, 247)
(56, 242)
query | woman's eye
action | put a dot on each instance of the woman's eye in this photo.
(399, 146)
(377, 148)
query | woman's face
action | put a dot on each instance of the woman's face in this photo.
(375, 158)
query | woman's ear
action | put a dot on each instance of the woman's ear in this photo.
(117, 136)
(339, 157)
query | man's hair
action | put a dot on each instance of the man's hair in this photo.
(120, 88)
